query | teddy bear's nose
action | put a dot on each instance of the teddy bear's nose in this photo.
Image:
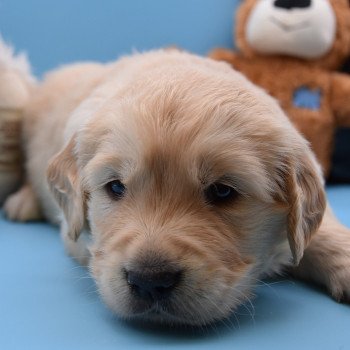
(290, 4)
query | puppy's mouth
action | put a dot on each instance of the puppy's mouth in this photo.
(165, 312)
(159, 313)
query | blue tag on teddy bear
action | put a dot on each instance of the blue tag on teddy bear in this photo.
(305, 97)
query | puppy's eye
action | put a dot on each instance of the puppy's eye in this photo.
(116, 189)
(218, 193)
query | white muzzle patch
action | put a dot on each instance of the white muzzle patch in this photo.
(304, 32)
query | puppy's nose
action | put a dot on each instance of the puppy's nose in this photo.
(290, 4)
(153, 285)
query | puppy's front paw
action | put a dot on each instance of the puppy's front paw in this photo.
(23, 205)
(335, 270)
(327, 259)
(339, 284)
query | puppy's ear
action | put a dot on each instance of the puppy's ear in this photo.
(65, 184)
(305, 195)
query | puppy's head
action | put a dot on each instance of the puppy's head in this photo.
(194, 185)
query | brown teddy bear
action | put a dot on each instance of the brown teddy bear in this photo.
(292, 48)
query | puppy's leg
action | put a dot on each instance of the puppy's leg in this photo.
(326, 261)
(23, 205)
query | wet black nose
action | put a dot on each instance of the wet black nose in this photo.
(290, 4)
(153, 285)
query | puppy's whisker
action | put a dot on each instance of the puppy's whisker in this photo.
(219, 309)
(234, 314)
(268, 285)
(245, 297)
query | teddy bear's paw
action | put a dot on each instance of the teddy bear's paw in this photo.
(23, 205)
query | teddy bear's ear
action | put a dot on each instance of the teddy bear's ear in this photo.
(240, 21)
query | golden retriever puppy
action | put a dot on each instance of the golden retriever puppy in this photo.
(179, 183)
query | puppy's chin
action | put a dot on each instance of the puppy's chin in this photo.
(160, 315)
(175, 312)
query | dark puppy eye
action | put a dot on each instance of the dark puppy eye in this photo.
(218, 193)
(116, 189)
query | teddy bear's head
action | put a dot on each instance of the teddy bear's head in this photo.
(317, 30)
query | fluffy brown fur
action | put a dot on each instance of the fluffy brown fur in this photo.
(281, 76)
(169, 125)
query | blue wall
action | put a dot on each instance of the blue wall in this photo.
(57, 32)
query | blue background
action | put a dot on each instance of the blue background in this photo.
(49, 302)
(57, 32)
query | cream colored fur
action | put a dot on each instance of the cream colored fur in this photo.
(168, 125)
